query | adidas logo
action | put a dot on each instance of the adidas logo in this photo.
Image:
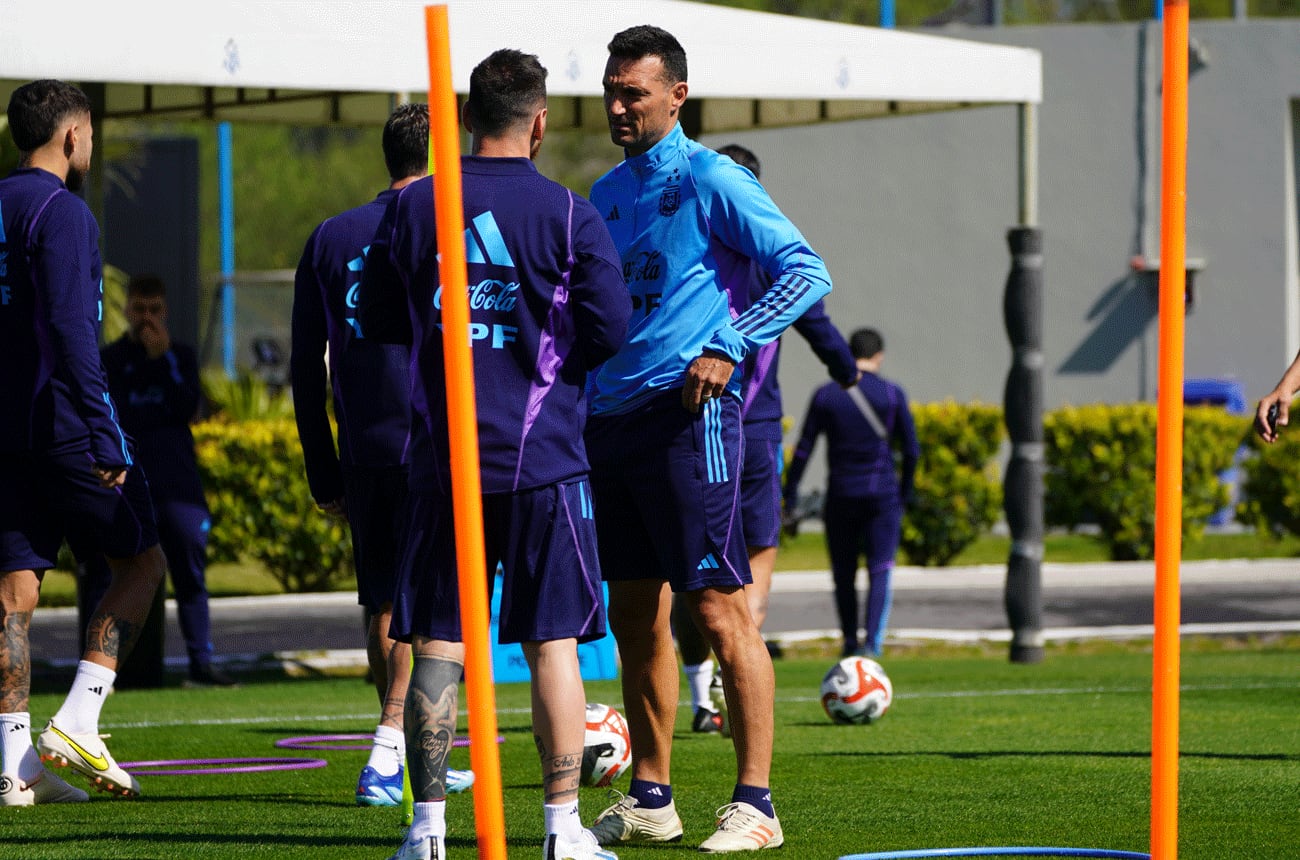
(709, 562)
(656, 791)
(489, 246)
(98, 691)
(16, 727)
(613, 214)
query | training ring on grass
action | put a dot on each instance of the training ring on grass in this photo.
(340, 742)
(200, 766)
(999, 852)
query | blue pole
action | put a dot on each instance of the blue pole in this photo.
(887, 14)
(226, 190)
(1159, 10)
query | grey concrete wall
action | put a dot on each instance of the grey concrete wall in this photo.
(911, 214)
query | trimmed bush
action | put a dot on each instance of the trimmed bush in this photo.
(262, 509)
(958, 490)
(1101, 469)
(1271, 486)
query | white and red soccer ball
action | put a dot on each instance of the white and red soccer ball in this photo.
(607, 752)
(856, 691)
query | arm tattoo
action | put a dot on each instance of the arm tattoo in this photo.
(15, 661)
(431, 724)
(111, 636)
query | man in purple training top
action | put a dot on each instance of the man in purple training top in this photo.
(865, 493)
(760, 476)
(66, 467)
(365, 479)
(547, 305)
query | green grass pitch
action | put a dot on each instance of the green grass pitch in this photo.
(974, 751)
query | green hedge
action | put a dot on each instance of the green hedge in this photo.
(958, 490)
(262, 509)
(1101, 469)
(1271, 485)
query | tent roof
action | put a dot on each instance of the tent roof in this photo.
(298, 61)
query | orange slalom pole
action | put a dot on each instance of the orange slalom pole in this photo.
(1169, 436)
(467, 498)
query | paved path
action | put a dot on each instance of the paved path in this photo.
(955, 604)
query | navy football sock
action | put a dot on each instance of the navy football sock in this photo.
(651, 795)
(759, 798)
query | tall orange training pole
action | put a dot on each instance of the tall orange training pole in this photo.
(467, 499)
(1169, 436)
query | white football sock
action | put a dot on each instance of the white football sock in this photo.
(430, 820)
(562, 819)
(80, 711)
(698, 677)
(17, 755)
(388, 752)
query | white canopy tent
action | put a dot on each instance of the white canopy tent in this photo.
(326, 61)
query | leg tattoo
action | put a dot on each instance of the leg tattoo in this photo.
(111, 636)
(15, 661)
(560, 773)
(431, 724)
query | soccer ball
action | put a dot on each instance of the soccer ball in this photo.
(608, 747)
(856, 691)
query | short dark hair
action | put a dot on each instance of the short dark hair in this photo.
(743, 157)
(644, 40)
(406, 141)
(506, 89)
(37, 109)
(146, 286)
(866, 342)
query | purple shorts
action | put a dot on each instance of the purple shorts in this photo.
(545, 541)
(867, 527)
(760, 492)
(667, 486)
(45, 498)
(377, 515)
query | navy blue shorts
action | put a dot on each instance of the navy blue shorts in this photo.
(667, 486)
(377, 516)
(47, 498)
(545, 541)
(760, 492)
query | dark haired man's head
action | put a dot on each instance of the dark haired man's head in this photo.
(36, 111)
(644, 40)
(40, 111)
(506, 91)
(406, 141)
(149, 286)
(645, 87)
(743, 157)
(865, 343)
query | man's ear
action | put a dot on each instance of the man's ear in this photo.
(678, 94)
(464, 118)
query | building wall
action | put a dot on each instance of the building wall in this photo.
(911, 214)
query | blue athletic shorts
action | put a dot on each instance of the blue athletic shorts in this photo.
(667, 485)
(760, 492)
(45, 498)
(545, 541)
(377, 514)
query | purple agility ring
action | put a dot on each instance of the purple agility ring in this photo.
(201, 766)
(339, 742)
(1000, 852)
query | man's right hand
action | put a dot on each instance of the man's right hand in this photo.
(337, 508)
(1267, 429)
(110, 476)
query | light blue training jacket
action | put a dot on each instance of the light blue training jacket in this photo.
(686, 222)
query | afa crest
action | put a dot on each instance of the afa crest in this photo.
(670, 200)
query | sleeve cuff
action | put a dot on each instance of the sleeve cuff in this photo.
(728, 342)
